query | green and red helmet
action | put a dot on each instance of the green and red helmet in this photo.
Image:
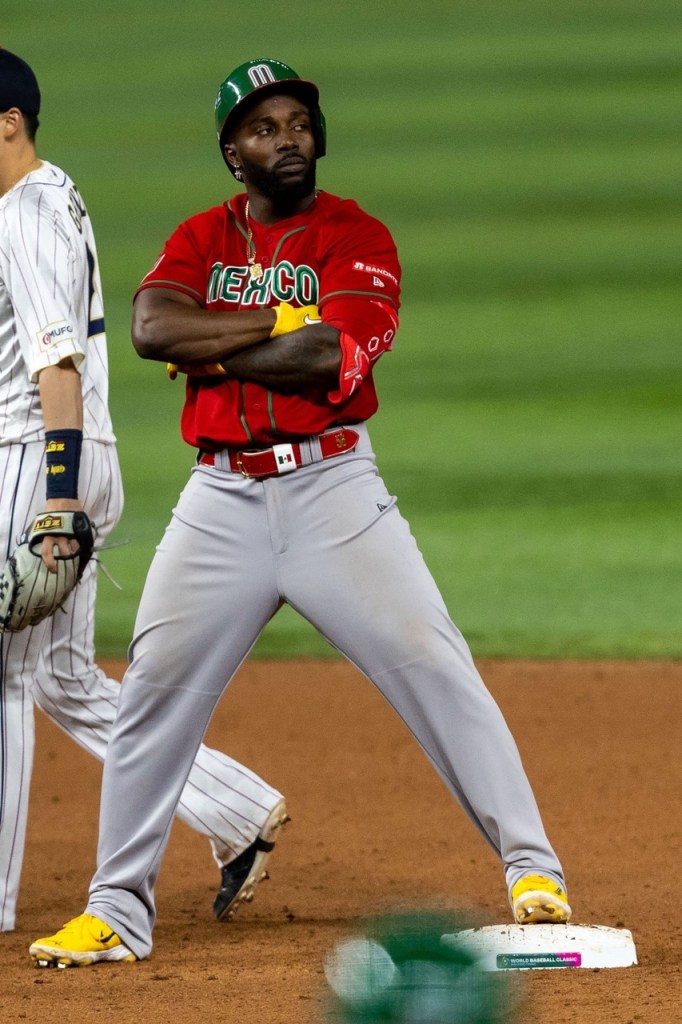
(256, 78)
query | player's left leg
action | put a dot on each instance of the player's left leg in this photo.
(373, 597)
(70, 687)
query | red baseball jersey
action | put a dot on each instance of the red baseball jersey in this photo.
(333, 255)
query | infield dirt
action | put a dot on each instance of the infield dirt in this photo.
(373, 829)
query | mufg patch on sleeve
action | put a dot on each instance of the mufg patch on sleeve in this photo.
(51, 334)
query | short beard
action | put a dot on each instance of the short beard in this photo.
(282, 193)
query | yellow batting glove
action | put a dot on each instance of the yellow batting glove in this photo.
(195, 369)
(291, 319)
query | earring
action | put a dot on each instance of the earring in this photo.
(238, 174)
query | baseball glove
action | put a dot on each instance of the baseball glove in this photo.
(29, 592)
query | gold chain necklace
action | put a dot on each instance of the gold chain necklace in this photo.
(255, 269)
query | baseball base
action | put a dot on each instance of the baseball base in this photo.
(541, 946)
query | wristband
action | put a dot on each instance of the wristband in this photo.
(62, 462)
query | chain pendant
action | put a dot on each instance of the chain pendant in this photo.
(256, 271)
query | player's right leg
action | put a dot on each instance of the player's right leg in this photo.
(16, 763)
(210, 590)
(223, 800)
(21, 479)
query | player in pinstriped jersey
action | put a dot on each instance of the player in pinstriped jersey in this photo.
(54, 387)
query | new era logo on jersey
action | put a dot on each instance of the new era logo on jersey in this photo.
(52, 333)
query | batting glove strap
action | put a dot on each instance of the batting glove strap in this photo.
(290, 319)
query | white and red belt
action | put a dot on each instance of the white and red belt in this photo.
(257, 463)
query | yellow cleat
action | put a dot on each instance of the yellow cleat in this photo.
(536, 899)
(83, 941)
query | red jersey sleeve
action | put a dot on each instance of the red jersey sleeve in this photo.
(182, 264)
(359, 293)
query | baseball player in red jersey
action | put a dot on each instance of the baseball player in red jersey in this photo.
(276, 305)
(54, 388)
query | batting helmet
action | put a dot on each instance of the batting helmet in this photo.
(255, 79)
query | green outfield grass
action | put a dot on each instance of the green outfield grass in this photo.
(528, 158)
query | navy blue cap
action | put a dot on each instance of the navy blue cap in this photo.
(18, 84)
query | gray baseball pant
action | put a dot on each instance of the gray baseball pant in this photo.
(328, 540)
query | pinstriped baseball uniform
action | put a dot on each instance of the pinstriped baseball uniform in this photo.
(51, 309)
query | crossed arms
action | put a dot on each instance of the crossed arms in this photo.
(169, 326)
